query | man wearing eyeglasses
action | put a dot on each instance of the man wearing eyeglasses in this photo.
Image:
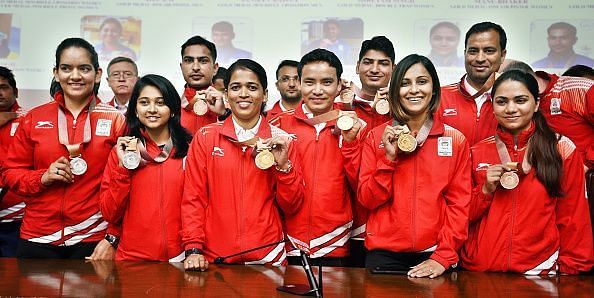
(122, 74)
(289, 87)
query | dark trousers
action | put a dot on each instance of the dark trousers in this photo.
(9, 238)
(357, 254)
(33, 250)
(324, 261)
(397, 261)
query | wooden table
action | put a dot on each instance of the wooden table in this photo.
(77, 278)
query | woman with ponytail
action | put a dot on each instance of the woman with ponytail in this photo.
(528, 212)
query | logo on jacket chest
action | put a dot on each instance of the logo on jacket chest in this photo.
(555, 106)
(217, 151)
(450, 112)
(482, 166)
(44, 124)
(444, 146)
(103, 127)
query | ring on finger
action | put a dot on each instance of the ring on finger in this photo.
(57, 171)
(431, 270)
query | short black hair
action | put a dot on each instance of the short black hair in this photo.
(9, 76)
(199, 40)
(378, 43)
(222, 73)
(290, 63)
(579, 70)
(484, 27)
(321, 55)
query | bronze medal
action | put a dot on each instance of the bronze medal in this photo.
(345, 122)
(200, 107)
(264, 159)
(509, 180)
(407, 143)
(382, 107)
(78, 166)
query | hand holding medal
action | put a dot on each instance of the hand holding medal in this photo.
(380, 102)
(349, 125)
(214, 100)
(58, 171)
(264, 157)
(127, 151)
(280, 150)
(347, 93)
(510, 179)
(200, 105)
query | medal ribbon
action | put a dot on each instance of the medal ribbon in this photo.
(505, 158)
(7, 116)
(328, 116)
(161, 157)
(423, 132)
(74, 149)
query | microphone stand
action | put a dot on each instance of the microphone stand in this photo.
(221, 260)
(314, 288)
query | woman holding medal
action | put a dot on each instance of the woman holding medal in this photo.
(528, 212)
(242, 171)
(57, 158)
(144, 178)
(415, 179)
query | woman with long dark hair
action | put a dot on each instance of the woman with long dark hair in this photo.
(528, 211)
(243, 172)
(415, 179)
(144, 179)
(57, 158)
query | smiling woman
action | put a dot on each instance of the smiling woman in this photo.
(398, 183)
(525, 157)
(143, 181)
(57, 163)
(233, 202)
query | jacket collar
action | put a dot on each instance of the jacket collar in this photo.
(228, 129)
(520, 141)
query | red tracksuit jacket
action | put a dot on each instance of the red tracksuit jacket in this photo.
(61, 214)
(330, 169)
(229, 205)
(524, 230)
(418, 202)
(12, 205)
(572, 115)
(457, 108)
(147, 203)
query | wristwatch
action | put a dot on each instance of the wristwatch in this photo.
(113, 240)
(193, 251)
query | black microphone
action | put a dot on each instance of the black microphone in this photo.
(221, 260)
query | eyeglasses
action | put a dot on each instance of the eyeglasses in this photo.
(124, 74)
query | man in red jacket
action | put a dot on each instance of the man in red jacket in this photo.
(201, 102)
(466, 105)
(12, 206)
(288, 85)
(330, 161)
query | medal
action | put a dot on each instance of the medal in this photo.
(78, 166)
(264, 159)
(407, 143)
(509, 180)
(131, 158)
(345, 122)
(200, 107)
(382, 107)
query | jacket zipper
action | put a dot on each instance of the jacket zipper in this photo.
(414, 208)
(313, 187)
(513, 213)
(243, 150)
(163, 226)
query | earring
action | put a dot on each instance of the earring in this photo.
(172, 115)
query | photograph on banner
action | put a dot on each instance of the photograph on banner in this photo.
(342, 36)
(233, 37)
(442, 41)
(556, 45)
(112, 36)
(10, 36)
